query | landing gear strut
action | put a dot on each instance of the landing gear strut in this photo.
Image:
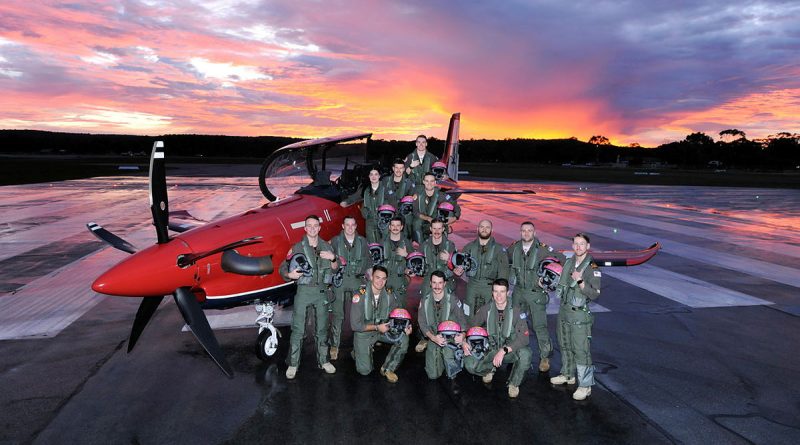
(267, 343)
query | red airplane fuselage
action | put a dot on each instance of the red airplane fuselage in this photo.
(155, 271)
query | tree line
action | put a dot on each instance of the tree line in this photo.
(698, 150)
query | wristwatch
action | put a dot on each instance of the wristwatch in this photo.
(579, 281)
(505, 349)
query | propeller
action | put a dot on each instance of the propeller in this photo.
(159, 203)
(187, 303)
(115, 241)
(198, 323)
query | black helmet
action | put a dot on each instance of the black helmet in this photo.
(338, 276)
(406, 205)
(465, 260)
(385, 214)
(298, 261)
(415, 261)
(376, 253)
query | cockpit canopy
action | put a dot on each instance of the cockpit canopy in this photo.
(332, 168)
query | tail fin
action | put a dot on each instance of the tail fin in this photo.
(450, 156)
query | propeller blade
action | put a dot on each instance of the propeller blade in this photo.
(187, 260)
(198, 323)
(115, 241)
(159, 203)
(146, 310)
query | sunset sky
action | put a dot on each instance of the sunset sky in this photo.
(634, 71)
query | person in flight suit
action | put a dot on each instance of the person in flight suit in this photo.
(374, 196)
(579, 283)
(508, 339)
(426, 208)
(492, 261)
(396, 186)
(419, 161)
(311, 292)
(369, 312)
(353, 248)
(435, 307)
(526, 254)
(395, 249)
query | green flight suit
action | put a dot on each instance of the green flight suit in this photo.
(430, 314)
(311, 291)
(575, 319)
(418, 172)
(429, 205)
(433, 262)
(365, 311)
(527, 292)
(394, 192)
(397, 280)
(511, 331)
(358, 263)
(492, 264)
(369, 210)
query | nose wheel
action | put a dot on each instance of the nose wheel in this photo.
(267, 342)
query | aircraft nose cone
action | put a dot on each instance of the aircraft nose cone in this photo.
(153, 271)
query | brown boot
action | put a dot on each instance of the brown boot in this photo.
(421, 345)
(334, 351)
(391, 377)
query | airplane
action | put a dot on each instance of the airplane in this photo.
(233, 262)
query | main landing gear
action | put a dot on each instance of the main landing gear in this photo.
(267, 343)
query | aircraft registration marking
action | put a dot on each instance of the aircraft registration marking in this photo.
(298, 225)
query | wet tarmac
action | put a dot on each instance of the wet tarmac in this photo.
(699, 345)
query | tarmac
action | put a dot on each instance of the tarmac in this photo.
(699, 345)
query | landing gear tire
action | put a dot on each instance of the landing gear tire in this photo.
(266, 345)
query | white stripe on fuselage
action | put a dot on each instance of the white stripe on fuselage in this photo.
(222, 297)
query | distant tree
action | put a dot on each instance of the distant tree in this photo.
(599, 140)
(634, 145)
(699, 138)
(731, 135)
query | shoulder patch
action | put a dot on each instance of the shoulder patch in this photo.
(505, 250)
(549, 249)
(458, 303)
(356, 298)
(595, 266)
(362, 290)
(527, 333)
(522, 315)
(598, 274)
(389, 290)
(447, 197)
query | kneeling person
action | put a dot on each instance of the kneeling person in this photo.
(369, 315)
(435, 307)
(508, 339)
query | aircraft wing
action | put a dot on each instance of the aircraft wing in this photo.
(609, 258)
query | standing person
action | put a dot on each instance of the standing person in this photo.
(492, 261)
(426, 208)
(311, 291)
(353, 248)
(508, 339)
(435, 307)
(526, 254)
(396, 248)
(579, 283)
(373, 198)
(397, 185)
(419, 161)
(369, 311)
(437, 250)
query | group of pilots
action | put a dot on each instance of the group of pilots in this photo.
(507, 288)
